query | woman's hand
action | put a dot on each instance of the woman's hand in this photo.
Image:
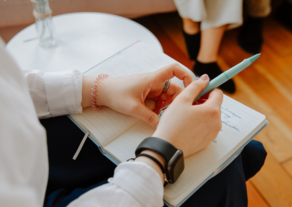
(189, 127)
(128, 94)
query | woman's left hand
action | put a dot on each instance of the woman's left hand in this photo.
(127, 94)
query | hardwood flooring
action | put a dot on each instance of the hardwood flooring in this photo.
(266, 87)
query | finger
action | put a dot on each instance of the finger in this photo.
(174, 90)
(194, 89)
(150, 104)
(142, 112)
(215, 99)
(164, 97)
(173, 70)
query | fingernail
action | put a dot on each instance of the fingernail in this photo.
(204, 77)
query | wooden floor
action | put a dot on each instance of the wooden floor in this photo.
(266, 87)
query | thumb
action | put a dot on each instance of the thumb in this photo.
(195, 88)
(147, 115)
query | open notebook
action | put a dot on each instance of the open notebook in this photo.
(118, 135)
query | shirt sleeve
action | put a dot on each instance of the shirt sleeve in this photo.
(134, 184)
(55, 93)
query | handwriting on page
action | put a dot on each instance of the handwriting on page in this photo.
(227, 118)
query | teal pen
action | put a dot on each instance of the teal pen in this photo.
(225, 76)
(222, 78)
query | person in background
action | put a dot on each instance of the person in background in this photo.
(250, 38)
(204, 23)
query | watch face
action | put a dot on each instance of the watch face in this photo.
(175, 166)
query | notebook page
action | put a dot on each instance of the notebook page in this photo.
(124, 147)
(238, 124)
(100, 123)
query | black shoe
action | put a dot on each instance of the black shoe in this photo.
(250, 38)
(284, 14)
(213, 70)
(193, 44)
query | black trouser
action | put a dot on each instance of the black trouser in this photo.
(68, 179)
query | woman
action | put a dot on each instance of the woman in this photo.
(24, 159)
(204, 23)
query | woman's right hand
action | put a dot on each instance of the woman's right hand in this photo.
(189, 127)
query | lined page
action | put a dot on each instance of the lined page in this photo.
(239, 123)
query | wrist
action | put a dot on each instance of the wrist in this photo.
(86, 90)
(174, 161)
(102, 92)
(151, 163)
(165, 137)
(93, 91)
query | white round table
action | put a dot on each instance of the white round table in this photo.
(84, 40)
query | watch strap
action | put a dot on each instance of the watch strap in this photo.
(154, 160)
(160, 146)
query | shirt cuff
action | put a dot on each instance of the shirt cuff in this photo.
(64, 92)
(140, 181)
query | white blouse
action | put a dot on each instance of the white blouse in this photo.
(26, 96)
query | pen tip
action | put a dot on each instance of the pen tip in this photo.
(253, 58)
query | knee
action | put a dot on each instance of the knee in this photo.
(253, 158)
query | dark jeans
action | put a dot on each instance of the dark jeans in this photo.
(68, 179)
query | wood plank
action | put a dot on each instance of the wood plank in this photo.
(277, 37)
(275, 82)
(278, 67)
(254, 197)
(288, 167)
(288, 60)
(274, 183)
(266, 91)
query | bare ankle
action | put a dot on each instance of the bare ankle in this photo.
(204, 58)
(190, 27)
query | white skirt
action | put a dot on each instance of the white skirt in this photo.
(211, 13)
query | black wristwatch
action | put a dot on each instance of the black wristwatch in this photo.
(174, 159)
